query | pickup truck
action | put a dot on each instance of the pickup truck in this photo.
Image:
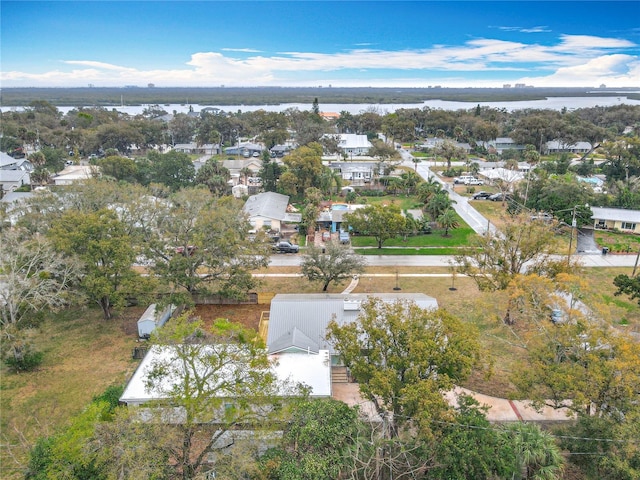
(285, 247)
(468, 180)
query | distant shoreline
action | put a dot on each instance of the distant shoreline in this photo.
(109, 97)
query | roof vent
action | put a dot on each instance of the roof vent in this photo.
(352, 305)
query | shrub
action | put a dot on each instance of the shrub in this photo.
(24, 359)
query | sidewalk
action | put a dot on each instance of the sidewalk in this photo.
(499, 409)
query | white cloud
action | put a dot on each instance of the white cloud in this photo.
(245, 50)
(574, 57)
(539, 29)
(616, 70)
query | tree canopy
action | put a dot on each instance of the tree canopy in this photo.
(380, 221)
(332, 263)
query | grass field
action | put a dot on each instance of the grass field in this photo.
(84, 354)
(403, 202)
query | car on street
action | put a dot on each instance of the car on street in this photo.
(285, 247)
(481, 195)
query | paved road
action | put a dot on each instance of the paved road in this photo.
(461, 203)
(587, 260)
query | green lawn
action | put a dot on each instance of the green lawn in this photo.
(459, 237)
(617, 242)
(404, 202)
(408, 251)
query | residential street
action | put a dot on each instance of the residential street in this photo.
(587, 260)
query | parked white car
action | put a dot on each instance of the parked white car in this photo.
(473, 181)
(468, 180)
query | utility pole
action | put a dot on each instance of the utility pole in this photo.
(573, 227)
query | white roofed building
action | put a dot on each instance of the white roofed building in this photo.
(353, 144)
(616, 219)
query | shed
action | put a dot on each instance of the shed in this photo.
(150, 319)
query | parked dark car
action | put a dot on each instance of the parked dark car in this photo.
(285, 247)
(499, 197)
(481, 195)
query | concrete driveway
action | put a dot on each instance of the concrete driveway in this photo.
(586, 243)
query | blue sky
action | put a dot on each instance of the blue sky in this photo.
(312, 43)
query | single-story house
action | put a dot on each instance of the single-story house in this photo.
(500, 173)
(501, 144)
(11, 180)
(330, 116)
(556, 146)
(312, 370)
(195, 149)
(75, 173)
(7, 162)
(245, 149)
(280, 151)
(331, 218)
(616, 219)
(298, 323)
(270, 210)
(358, 173)
(353, 144)
(236, 165)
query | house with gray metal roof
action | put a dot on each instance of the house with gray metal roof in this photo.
(269, 210)
(11, 180)
(298, 323)
(627, 221)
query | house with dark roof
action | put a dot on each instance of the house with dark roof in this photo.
(298, 323)
(195, 149)
(501, 144)
(269, 210)
(246, 149)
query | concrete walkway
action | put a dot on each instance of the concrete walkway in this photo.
(499, 409)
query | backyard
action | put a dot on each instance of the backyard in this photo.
(85, 354)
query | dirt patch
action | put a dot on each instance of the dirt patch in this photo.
(247, 315)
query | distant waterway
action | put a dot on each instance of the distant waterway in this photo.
(550, 103)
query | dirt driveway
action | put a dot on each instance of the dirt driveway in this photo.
(247, 315)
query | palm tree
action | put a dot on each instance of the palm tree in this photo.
(448, 220)
(428, 189)
(537, 456)
(438, 204)
(245, 172)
